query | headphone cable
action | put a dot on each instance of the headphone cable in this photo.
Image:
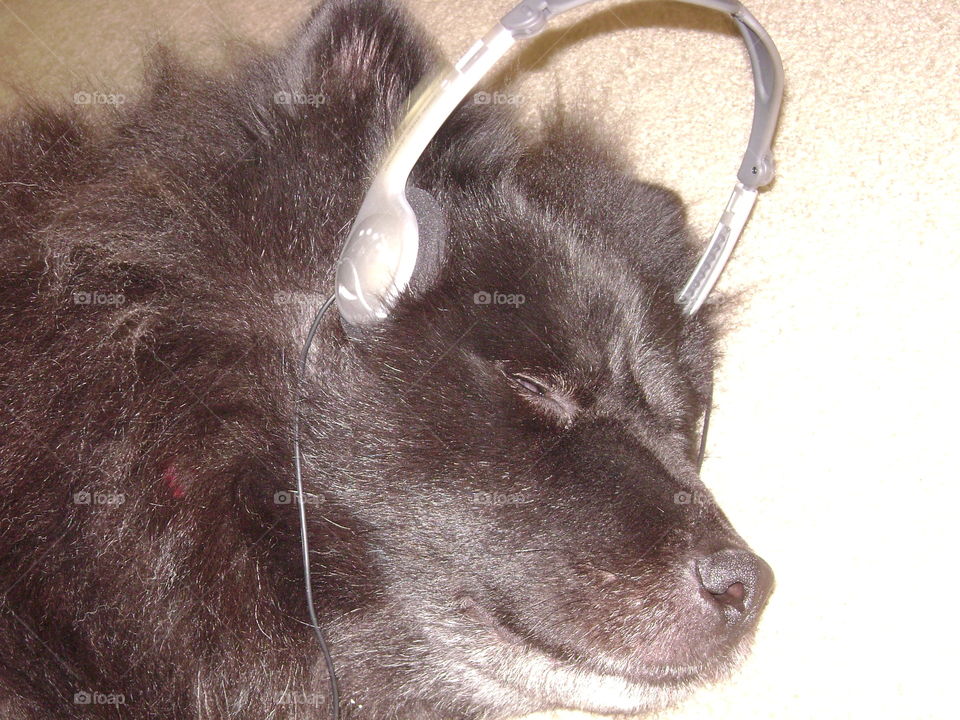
(304, 544)
(705, 427)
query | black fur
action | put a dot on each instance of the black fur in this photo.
(492, 488)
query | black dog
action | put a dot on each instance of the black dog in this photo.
(504, 509)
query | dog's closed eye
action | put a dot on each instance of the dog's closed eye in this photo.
(544, 396)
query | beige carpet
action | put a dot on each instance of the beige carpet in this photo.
(834, 445)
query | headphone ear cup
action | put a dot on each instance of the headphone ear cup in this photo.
(432, 231)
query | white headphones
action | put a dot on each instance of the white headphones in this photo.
(384, 245)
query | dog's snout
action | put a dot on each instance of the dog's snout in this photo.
(739, 581)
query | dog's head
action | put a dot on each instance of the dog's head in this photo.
(516, 444)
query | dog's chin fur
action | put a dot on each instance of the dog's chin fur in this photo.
(484, 675)
(491, 488)
(504, 675)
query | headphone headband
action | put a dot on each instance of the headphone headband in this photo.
(378, 260)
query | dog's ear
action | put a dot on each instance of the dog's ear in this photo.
(578, 176)
(362, 57)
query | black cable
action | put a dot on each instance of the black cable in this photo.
(705, 427)
(334, 689)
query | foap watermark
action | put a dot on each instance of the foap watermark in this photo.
(283, 97)
(85, 697)
(497, 98)
(695, 498)
(289, 497)
(498, 298)
(495, 498)
(97, 497)
(98, 98)
(92, 297)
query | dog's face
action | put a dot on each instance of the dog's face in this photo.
(528, 454)
(522, 433)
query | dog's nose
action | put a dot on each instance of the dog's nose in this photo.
(739, 581)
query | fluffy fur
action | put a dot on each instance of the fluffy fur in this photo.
(492, 488)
